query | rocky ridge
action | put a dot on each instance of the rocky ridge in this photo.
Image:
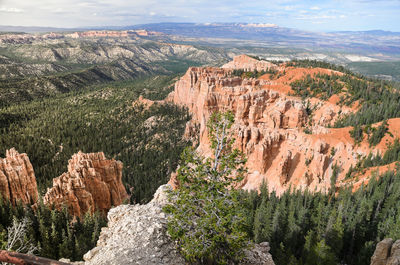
(17, 178)
(136, 234)
(29, 38)
(248, 63)
(284, 144)
(113, 33)
(91, 183)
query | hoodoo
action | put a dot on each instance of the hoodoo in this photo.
(17, 178)
(91, 183)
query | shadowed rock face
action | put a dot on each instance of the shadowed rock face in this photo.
(284, 143)
(91, 183)
(387, 252)
(17, 178)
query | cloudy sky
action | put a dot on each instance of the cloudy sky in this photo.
(323, 15)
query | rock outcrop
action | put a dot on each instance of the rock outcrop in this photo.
(387, 252)
(287, 140)
(136, 234)
(248, 63)
(17, 178)
(91, 183)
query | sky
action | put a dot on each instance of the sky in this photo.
(323, 15)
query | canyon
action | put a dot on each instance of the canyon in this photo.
(91, 183)
(286, 145)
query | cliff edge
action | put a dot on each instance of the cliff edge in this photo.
(137, 234)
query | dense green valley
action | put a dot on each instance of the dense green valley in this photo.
(147, 141)
(104, 118)
(385, 70)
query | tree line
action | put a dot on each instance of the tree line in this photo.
(305, 227)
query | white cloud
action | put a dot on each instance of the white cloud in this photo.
(289, 8)
(318, 22)
(11, 10)
(275, 14)
(315, 17)
(289, 13)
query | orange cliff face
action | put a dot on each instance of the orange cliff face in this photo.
(17, 178)
(270, 126)
(91, 183)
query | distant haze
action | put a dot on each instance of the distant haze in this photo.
(324, 15)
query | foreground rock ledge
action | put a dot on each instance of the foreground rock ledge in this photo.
(136, 234)
(387, 252)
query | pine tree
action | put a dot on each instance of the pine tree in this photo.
(323, 254)
(206, 220)
(262, 222)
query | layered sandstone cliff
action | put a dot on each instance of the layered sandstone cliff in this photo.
(285, 144)
(91, 183)
(17, 178)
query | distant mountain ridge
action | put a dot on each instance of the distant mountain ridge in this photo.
(366, 42)
(374, 41)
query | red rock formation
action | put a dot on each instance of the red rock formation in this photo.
(17, 178)
(270, 126)
(92, 182)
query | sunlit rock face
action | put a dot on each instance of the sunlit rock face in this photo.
(91, 183)
(285, 145)
(17, 178)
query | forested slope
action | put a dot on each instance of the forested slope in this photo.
(147, 140)
(45, 68)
